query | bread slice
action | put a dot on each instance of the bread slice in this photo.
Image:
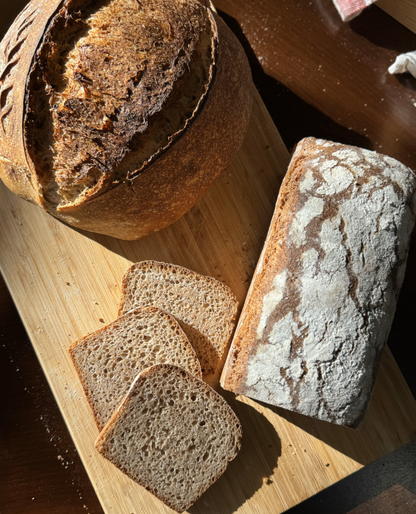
(205, 308)
(173, 434)
(109, 360)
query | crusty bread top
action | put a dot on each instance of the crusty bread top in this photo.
(173, 434)
(109, 360)
(324, 292)
(205, 308)
(16, 56)
(134, 167)
(113, 83)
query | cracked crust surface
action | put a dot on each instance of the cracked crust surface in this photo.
(324, 293)
(105, 96)
(117, 130)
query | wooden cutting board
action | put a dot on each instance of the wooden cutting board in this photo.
(403, 11)
(66, 283)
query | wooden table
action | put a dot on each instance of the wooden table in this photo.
(317, 76)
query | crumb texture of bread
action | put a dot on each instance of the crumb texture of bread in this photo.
(324, 293)
(173, 434)
(204, 307)
(109, 360)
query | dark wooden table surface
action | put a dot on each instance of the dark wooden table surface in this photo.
(319, 77)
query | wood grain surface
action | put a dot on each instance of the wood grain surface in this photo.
(294, 36)
(403, 11)
(66, 283)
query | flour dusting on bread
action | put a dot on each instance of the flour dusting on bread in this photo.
(321, 306)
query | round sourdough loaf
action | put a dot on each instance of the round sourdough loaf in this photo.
(117, 115)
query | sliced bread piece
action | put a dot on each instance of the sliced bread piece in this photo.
(109, 360)
(204, 307)
(173, 434)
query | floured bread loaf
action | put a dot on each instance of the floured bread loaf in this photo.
(173, 434)
(204, 307)
(117, 115)
(109, 360)
(324, 292)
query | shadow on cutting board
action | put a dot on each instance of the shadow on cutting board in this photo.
(388, 485)
(253, 467)
(384, 420)
(375, 26)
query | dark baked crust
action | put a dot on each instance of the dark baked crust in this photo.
(169, 182)
(111, 85)
(174, 182)
(16, 53)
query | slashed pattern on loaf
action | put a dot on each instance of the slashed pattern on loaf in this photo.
(327, 298)
(109, 360)
(205, 308)
(114, 82)
(11, 49)
(173, 434)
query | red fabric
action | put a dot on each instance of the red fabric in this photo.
(348, 9)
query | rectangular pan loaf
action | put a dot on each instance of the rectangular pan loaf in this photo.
(324, 293)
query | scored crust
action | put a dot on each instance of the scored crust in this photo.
(106, 97)
(109, 360)
(154, 193)
(16, 53)
(172, 434)
(204, 307)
